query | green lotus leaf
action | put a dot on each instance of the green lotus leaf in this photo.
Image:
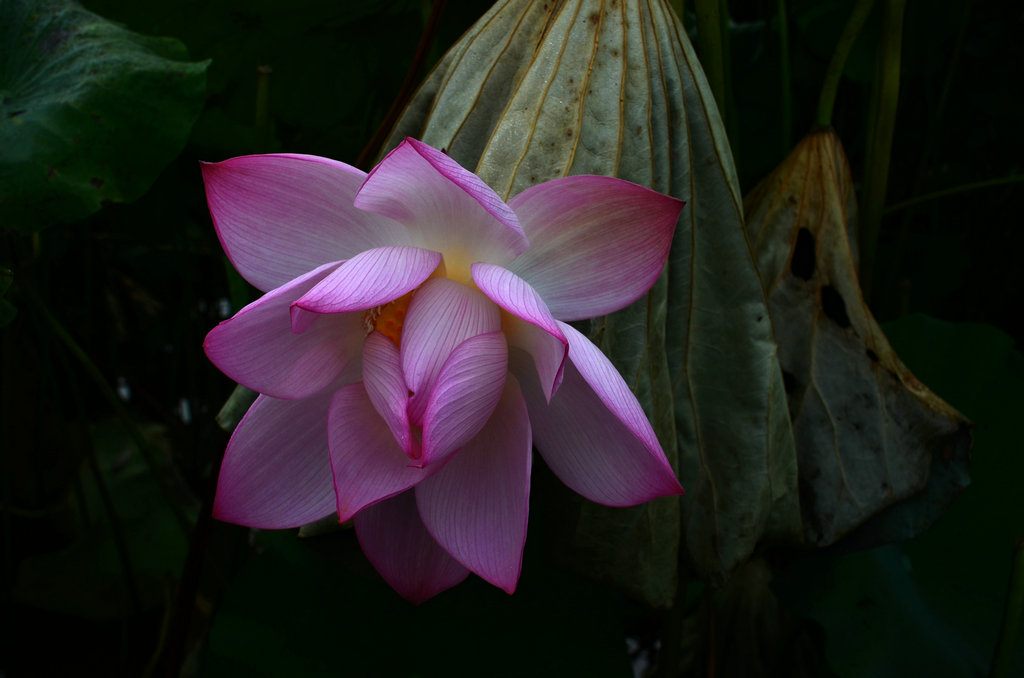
(90, 112)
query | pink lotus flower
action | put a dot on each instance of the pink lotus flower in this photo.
(411, 349)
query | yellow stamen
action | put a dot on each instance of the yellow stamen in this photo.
(388, 319)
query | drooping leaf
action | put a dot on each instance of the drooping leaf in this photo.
(538, 90)
(89, 111)
(868, 433)
(931, 605)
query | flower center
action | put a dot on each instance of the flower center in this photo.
(388, 318)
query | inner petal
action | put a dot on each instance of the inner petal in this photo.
(441, 315)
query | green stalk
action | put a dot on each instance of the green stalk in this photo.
(672, 630)
(953, 190)
(1003, 656)
(729, 117)
(113, 401)
(784, 83)
(932, 143)
(882, 122)
(412, 76)
(710, 48)
(93, 464)
(827, 100)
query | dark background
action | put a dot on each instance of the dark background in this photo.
(107, 573)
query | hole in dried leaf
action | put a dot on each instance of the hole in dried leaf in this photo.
(789, 381)
(873, 356)
(834, 306)
(802, 263)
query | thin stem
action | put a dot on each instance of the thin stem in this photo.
(710, 48)
(930, 147)
(113, 401)
(7, 566)
(116, 530)
(953, 190)
(827, 100)
(882, 123)
(729, 117)
(175, 639)
(936, 111)
(408, 86)
(670, 655)
(784, 82)
(1003, 656)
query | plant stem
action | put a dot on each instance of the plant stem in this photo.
(113, 401)
(710, 48)
(784, 83)
(408, 86)
(953, 190)
(1002, 658)
(670, 655)
(82, 439)
(932, 143)
(827, 100)
(882, 122)
(120, 545)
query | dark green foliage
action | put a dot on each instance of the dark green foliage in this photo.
(97, 577)
(89, 111)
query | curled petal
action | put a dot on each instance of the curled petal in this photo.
(279, 216)
(258, 348)
(594, 435)
(276, 470)
(531, 327)
(449, 208)
(371, 278)
(441, 315)
(385, 386)
(477, 507)
(597, 244)
(365, 461)
(467, 389)
(403, 552)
